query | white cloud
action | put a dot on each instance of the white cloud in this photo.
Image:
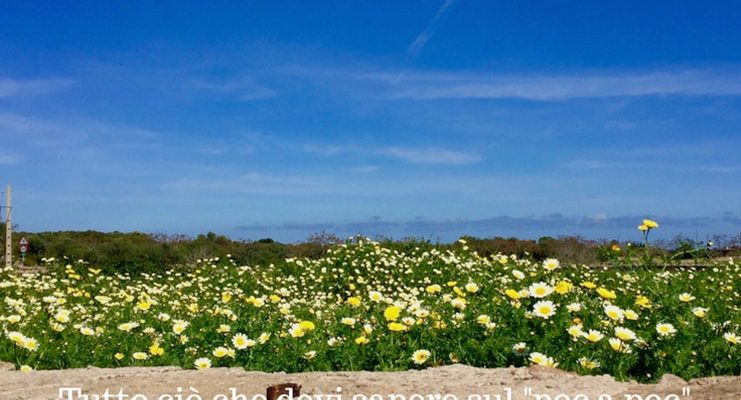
(14, 87)
(71, 132)
(431, 155)
(325, 150)
(565, 87)
(591, 164)
(432, 85)
(416, 46)
(243, 89)
(8, 159)
(366, 168)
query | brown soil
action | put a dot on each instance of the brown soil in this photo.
(458, 380)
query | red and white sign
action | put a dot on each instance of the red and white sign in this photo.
(23, 244)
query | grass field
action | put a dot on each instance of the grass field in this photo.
(366, 307)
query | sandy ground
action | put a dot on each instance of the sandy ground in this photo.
(458, 380)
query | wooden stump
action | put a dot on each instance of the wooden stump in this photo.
(287, 390)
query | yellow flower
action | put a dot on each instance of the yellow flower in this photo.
(397, 327)
(512, 294)
(26, 369)
(421, 356)
(650, 224)
(118, 356)
(643, 302)
(392, 313)
(563, 287)
(354, 301)
(432, 289)
(631, 315)
(144, 305)
(307, 326)
(156, 350)
(139, 356)
(588, 285)
(615, 248)
(256, 302)
(362, 340)
(642, 228)
(606, 294)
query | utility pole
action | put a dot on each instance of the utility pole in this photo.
(8, 228)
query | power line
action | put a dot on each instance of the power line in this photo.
(8, 227)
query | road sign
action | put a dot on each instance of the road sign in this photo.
(23, 244)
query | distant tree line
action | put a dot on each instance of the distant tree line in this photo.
(141, 252)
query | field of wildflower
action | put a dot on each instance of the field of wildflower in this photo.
(367, 307)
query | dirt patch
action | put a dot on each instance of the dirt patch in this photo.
(458, 380)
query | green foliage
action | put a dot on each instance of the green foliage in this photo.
(79, 316)
(137, 252)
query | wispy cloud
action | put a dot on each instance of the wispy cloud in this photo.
(431, 155)
(15, 87)
(257, 183)
(325, 150)
(421, 40)
(394, 84)
(8, 159)
(425, 155)
(242, 89)
(565, 87)
(592, 164)
(73, 132)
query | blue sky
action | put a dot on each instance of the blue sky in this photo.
(433, 119)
